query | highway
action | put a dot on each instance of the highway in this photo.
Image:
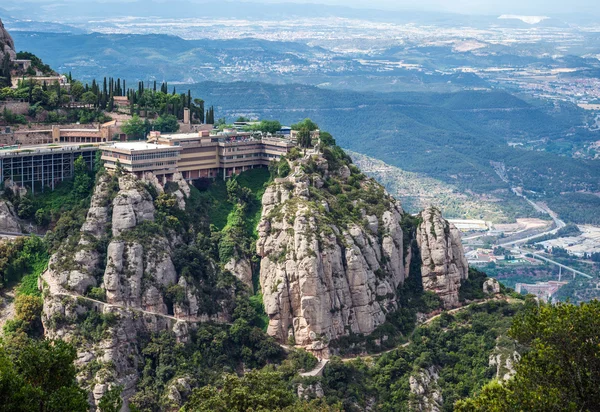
(559, 224)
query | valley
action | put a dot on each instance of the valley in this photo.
(297, 207)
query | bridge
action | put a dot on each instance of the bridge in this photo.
(560, 265)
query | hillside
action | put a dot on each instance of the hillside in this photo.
(450, 137)
(417, 191)
(138, 269)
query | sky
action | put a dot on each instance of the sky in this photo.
(489, 7)
(530, 7)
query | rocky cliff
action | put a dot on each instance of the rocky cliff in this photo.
(334, 252)
(8, 218)
(444, 265)
(118, 273)
(7, 45)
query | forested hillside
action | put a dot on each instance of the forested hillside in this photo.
(452, 137)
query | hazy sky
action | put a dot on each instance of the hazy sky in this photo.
(532, 7)
(529, 7)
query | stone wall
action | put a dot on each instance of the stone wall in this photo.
(16, 107)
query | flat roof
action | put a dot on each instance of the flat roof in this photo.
(180, 136)
(138, 146)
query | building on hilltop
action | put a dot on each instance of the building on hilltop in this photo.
(199, 155)
(38, 167)
(141, 157)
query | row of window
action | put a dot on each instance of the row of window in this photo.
(153, 165)
(249, 156)
(154, 155)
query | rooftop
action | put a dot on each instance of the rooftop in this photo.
(139, 146)
(180, 136)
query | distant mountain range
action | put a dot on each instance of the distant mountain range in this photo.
(77, 12)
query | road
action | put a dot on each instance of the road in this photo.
(11, 235)
(540, 207)
(428, 321)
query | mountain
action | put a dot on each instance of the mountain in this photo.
(7, 44)
(143, 261)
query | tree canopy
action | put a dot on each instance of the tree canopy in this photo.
(561, 369)
(39, 376)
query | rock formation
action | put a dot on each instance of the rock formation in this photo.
(491, 286)
(504, 359)
(327, 272)
(427, 395)
(324, 277)
(8, 219)
(7, 45)
(127, 259)
(444, 264)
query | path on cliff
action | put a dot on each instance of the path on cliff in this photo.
(318, 370)
(57, 290)
(426, 322)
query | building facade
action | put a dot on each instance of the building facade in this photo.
(200, 155)
(39, 167)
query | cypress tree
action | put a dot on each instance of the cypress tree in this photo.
(154, 86)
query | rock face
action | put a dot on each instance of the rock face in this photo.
(127, 258)
(491, 287)
(504, 361)
(321, 281)
(7, 45)
(77, 270)
(241, 269)
(8, 219)
(427, 393)
(444, 264)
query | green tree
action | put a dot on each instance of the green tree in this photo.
(269, 126)
(39, 376)
(83, 181)
(89, 98)
(327, 139)
(305, 124)
(25, 210)
(77, 90)
(134, 128)
(42, 217)
(111, 401)
(304, 138)
(256, 391)
(561, 369)
(166, 124)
